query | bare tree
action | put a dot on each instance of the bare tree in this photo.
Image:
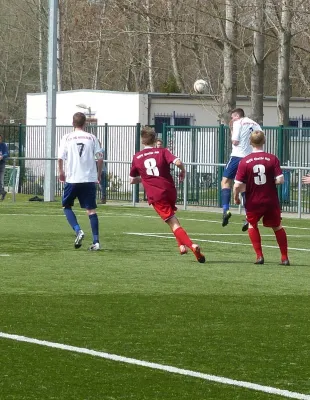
(229, 87)
(284, 53)
(173, 46)
(149, 47)
(258, 62)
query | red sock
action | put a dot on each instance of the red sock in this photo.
(182, 237)
(178, 241)
(282, 242)
(256, 241)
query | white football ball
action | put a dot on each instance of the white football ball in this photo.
(200, 86)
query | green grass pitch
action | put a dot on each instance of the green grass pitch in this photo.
(140, 299)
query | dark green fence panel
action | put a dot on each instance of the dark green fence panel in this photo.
(196, 145)
(193, 144)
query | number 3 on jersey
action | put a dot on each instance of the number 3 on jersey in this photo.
(151, 168)
(260, 179)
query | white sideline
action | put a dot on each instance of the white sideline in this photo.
(166, 368)
(210, 241)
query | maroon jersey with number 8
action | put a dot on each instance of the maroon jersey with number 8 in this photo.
(153, 166)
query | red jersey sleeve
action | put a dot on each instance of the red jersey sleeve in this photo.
(241, 172)
(134, 170)
(277, 168)
(169, 157)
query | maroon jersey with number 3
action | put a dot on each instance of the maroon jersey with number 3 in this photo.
(153, 166)
(258, 171)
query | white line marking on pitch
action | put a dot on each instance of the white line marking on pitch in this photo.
(224, 234)
(4, 255)
(210, 241)
(166, 368)
(126, 215)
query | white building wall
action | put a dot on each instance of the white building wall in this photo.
(114, 108)
(204, 110)
(127, 109)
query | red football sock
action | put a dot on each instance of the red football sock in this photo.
(282, 242)
(182, 237)
(256, 241)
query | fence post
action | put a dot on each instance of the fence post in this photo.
(137, 148)
(164, 137)
(280, 156)
(105, 139)
(14, 181)
(221, 153)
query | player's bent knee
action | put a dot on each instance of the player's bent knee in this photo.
(91, 212)
(226, 183)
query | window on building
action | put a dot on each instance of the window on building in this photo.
(159, 121)
(182, 121)
(306, 132)
(293, 132)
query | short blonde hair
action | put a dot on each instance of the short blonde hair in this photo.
(148, 136)
(257, 138)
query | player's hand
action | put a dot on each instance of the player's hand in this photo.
(182, 176)
(62, 177)
(237, 200)
(1, 157)
(306, 179)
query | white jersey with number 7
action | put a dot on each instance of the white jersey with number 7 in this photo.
(79, 150)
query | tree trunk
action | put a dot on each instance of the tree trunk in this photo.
(229, 86)
(257, 75)
(283, 86)
(40, 60)
(173, 49)
(59, 48)
(149, 48)
(99, 48)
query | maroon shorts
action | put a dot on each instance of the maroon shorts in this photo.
(164, 209)
(271, 217)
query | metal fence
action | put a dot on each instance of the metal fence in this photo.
(204, 149)
(198, 189)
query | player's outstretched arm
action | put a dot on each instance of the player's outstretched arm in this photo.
(135, 180)
(237, 190)
(182, 169)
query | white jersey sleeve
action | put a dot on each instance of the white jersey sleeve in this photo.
(62, 151)
(79, 150)
(242, 129)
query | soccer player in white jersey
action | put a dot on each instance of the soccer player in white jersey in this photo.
(79, 150)
(241, 129)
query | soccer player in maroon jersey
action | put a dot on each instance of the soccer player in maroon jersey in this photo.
(151, 166)
(260, 172)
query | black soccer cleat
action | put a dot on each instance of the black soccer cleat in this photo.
(245, 226)
(259, 261)
(226, 216)
(285, 262)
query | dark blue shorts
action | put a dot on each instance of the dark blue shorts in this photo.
(84, 192)
(231, 167)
